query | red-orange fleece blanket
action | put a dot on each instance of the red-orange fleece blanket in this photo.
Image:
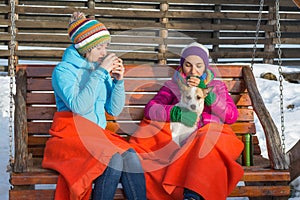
(206, 163)
(80, 151)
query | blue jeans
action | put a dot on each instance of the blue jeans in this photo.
(189, 194)
(127, 169)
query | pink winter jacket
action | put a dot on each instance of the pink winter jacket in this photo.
(223, 110)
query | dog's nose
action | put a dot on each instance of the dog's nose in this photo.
(193, 106)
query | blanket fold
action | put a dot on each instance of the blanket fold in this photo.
(80, 151)
(206, 163)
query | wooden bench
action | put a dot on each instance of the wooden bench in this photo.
(35, 106)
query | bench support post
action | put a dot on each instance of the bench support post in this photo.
(275, 153)
(21, 132)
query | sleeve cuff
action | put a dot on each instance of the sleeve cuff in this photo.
(118, 82)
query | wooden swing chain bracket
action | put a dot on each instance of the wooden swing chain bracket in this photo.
(257, 32)
(278, 34)
(12, 63)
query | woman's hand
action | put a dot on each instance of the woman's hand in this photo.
(118, 69)
(109, 61)
(193, 81)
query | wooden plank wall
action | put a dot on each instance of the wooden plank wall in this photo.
(155, 31)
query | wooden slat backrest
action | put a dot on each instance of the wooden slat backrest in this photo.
(141, 84)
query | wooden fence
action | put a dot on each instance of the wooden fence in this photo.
(156, 31)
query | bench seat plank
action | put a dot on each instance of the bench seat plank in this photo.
(239, 191)
(47, 194)
(252, 174)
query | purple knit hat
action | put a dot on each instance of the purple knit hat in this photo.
(197, 50)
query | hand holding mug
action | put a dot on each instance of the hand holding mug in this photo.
(193, 81)
(118, 69)
(109, 61)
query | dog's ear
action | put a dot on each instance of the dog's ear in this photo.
(182, 85)
(208, 89)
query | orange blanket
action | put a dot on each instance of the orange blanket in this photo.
(205, 163)
(80, 151)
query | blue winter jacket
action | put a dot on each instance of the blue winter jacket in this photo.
(86, 89)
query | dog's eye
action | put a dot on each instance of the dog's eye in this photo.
(198, 97)
(188, 97)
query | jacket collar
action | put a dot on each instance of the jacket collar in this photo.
(72, 56)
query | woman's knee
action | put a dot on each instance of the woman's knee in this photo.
(130, 154)
(132, 162)
(116, 162)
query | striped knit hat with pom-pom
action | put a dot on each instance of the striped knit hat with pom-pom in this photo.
(86, 33)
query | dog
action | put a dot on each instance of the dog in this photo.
(192, 98)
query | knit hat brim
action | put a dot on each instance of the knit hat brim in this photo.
(197, 50)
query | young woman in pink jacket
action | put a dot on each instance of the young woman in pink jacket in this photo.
(219, 106)
(205, 167)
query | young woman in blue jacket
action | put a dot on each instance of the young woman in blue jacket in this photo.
(88, 83)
